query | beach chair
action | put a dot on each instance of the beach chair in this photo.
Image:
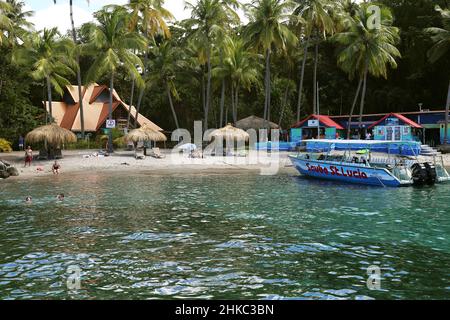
(242, 153)
(156, 153)
(130, 146)
(196, 154)
(139, 154)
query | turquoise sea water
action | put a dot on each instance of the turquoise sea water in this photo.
(227, 236)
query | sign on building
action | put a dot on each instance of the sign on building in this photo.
(313, 123)
(110, 124)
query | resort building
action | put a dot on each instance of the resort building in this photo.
(430, 121)
(95, 109)
(396, 127)
(308, 128)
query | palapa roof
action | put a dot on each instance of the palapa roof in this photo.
(95, 110)
(52, 133)
(229, 132)
(254, 122)
(145, 133)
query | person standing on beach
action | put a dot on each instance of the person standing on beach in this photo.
(21, 143)
(28, 156)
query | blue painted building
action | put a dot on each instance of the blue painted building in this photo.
(395, 127)
(430, 120)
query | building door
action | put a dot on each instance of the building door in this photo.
(389, 133)
(393, 133)
(397, 133)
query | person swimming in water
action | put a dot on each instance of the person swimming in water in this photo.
(28, 199)
(60, 197)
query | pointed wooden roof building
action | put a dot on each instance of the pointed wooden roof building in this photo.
(96, 109)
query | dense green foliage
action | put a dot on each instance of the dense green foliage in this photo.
(216, 68)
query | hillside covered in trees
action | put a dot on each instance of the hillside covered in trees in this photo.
(213, 67)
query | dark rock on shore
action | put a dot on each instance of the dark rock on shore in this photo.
(6, 170)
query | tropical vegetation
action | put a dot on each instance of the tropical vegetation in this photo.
(271, 58)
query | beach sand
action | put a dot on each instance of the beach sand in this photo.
(83, 161)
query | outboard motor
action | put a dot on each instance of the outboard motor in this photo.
(431, 173)
(424, 173)
(419, 174)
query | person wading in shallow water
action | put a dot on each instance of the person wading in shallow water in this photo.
(28, 156)
(56, 167)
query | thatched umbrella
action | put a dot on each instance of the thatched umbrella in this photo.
(52, 134)
(229, 133)
(145, 133)
(153, 135)
(254, 122)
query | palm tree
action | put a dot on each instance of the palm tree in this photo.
(267, 31)
(207, 22)
(5, 22)
(20, 26)
(163, 66)
(366, 50)
(149, 17)
(318, 22)
(50, 56)
(441, 48)
(240, 66)
(77, 59)
(111, 43)
(223, 46)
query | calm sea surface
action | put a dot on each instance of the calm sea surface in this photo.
(227, 236)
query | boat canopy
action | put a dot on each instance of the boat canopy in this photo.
(361, 142)
(405, 148)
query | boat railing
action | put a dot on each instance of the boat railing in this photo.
(392, 161)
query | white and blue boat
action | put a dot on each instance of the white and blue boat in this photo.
(363, 166)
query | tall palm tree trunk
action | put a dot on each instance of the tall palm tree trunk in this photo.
(208, 90)
(49, 97)
(169, 95)
(283, 105)
(267, 84)
(236, 102)
(222, 103)
(363, 97)
(232, 102)
(77, 58)
(316, 61)
(142, 91)
(138, 106)
(131, 103)
(447, 107)
(110, 111)
(302, 76)
(203, 91)
(226, 114)
(353, 107)
(222, 93)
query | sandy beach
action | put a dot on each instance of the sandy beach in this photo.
(86, 161)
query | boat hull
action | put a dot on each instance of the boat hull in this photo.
(356, 174)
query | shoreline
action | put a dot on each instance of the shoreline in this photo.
(74, 162)
(173, 163)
